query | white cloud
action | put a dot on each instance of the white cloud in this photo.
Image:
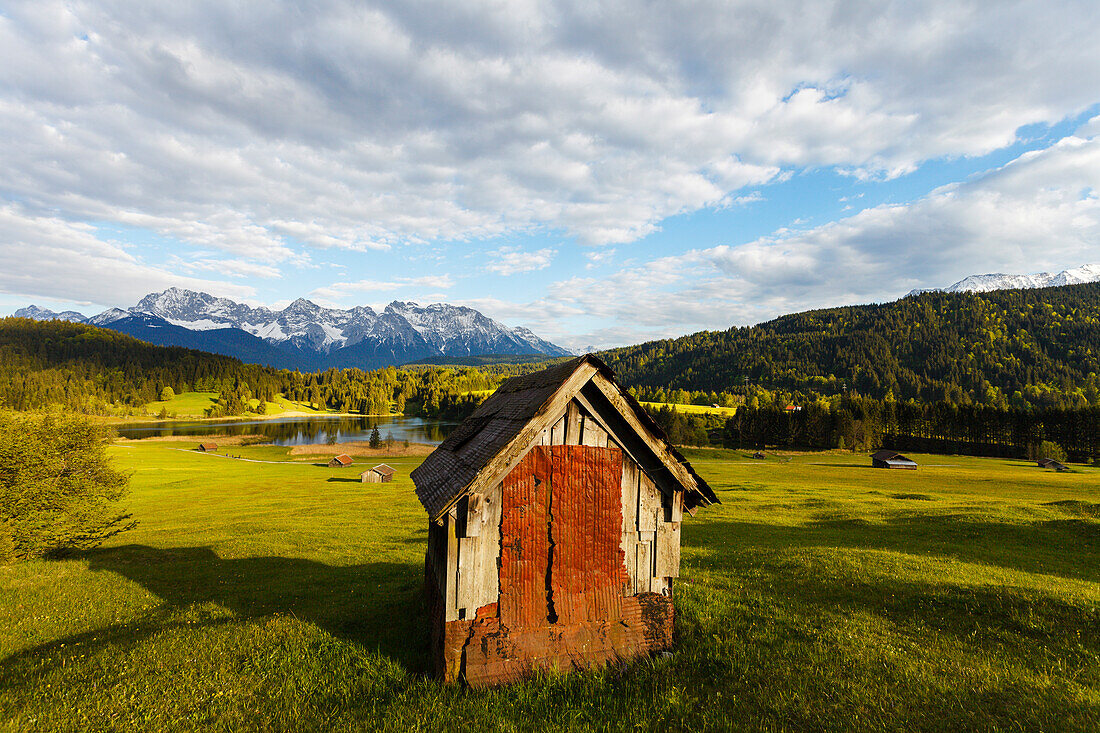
(513, 260)
(237, 268)
(343, 290)
(42, 256)
(256, 127)
(599, 257)
(1039, 212)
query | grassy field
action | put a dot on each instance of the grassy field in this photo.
(194, 404)
(822, 595)
(693, 409)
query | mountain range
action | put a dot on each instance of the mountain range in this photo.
(1001, 281)
(307, 336)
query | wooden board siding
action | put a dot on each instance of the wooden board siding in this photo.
(568, 561)
(562, 570)
(474, 577)
(629, 540)
(478, 552)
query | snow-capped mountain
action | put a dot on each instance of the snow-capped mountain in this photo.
(305, 335)
(42, 314)
(1001, 281)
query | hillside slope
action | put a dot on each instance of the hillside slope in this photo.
(1005, 347)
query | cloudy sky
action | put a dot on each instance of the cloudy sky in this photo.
(602, 173)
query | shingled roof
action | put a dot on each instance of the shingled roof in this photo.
(522, 402)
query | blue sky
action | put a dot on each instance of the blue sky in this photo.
(602, 173)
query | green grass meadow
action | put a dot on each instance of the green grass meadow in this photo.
(195, 404)
(693, 409)
(821, 595)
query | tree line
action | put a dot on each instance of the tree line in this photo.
(73, 367)
(865, 424)
(1007, 349)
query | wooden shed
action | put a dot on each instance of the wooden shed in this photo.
(379, 474)
(207, 447)
(1052, 464)
(554, 528)
(340, 461)
(892, 459)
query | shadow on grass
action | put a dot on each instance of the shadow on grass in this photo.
(336, 479)
(378, 606)
(1065, 547)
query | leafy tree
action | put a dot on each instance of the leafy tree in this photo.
(167, 394)
(1050, 449)
(58, 490)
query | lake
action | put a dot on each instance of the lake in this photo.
(301, 430)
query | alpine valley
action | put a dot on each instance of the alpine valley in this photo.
(309, 337)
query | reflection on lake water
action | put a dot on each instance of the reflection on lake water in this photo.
(301, 430)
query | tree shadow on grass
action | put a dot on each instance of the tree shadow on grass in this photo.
(378, 606)
(1069, 548)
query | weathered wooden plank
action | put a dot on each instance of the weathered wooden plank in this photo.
(629, 500)
(450, 587)
(650, 511)
(643, 569)
(677, 514)
(667, 561)
(467, 594)
(592, 434)
(573, 423)
(557, 432)
(475, 505)
(490, 546)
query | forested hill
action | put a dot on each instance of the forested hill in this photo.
(77, 367)
(1009, 347)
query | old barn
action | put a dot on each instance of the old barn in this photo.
(892, 459)
(207, 447)
(340, 461)
(379, 474)
(554, 528)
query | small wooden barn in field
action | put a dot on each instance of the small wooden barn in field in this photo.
(1052, 464)
(379, 474)
(207, 447)
(892, 459)
(554, 528)
(340, 461)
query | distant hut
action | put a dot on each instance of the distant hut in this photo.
(340, 461)
(380, 474)
(554, 528)
(207, 448)
(1052, 464)
(892, 459)
(758, 455)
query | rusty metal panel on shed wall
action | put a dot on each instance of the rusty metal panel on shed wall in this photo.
(524, 551)
(587, 566)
